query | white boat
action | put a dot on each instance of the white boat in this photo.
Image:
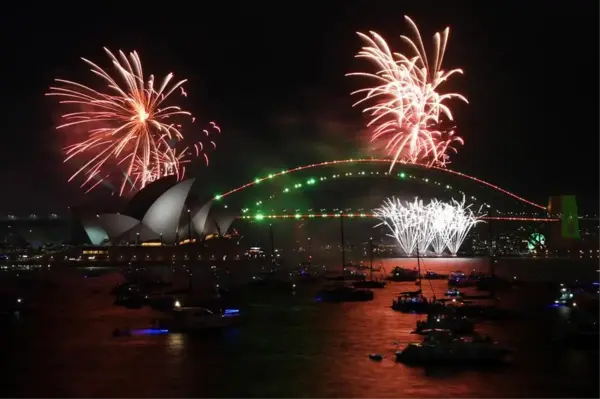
(442, 347)
(197, 319)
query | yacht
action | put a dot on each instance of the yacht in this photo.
(369, 284)
(460, 279)
(133, 301)
(443, 347)
(582, 328)
(483, 308)
(456, 324)
(350, 275)
(494, 283)
(10, 304)
(344, 293)
(429, 275)
(190, 319)
(403, 274)
(267, 281)
(415, 302)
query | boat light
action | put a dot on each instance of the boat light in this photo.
(177, 304)
(150, 331)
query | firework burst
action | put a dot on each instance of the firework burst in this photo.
(437, 225)
(408, 111)
(129, 125)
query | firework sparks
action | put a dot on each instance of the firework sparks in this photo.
(437, 225)
(128, 125)
(408, 111)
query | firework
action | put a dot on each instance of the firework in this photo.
(128, 125)
(409, 111)
(418, 227)
(440, 219)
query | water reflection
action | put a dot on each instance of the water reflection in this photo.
(286, 346)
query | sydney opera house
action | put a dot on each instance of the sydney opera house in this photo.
(157, 224)
(163, 213)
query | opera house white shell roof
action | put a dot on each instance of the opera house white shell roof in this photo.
(165, 217)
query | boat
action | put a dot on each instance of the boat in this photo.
(456, 324)
(361, 266)
(370, 283)
(344, 293)
(429, 275)
(138, 286)
(582, 329)
(194, 319)
(494, 283)
(485, 308)
(443, 347)
(10, 304)
(456, 293)
(588, 328)
(267, 281)
(565, 297)
(415, 302)
(583, 296)
(160, 302)
(403, 274)
(460, 279)
(130, 301)
(350, 275)
(304, 273)
(354, 275)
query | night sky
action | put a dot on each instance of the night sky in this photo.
(273, 78)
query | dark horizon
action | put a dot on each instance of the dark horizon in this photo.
(274, 81)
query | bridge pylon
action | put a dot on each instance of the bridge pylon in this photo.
(565, 208)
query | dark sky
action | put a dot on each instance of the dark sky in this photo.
(273, 78)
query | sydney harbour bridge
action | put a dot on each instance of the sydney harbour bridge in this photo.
(315, 195)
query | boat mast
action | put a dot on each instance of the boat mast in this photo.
(371, 255)
(343, 242)
(419, 270)
(490, 247)
(272, 241)
(492, 266)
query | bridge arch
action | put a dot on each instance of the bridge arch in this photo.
(398, 173)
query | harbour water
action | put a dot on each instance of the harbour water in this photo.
(287, 345)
